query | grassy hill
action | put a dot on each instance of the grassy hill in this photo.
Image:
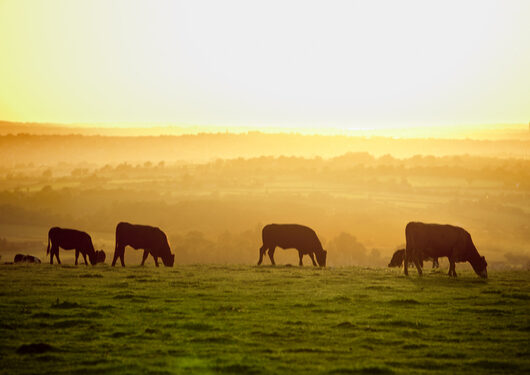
(258, 320)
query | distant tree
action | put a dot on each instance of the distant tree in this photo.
(47, 173)
(345, 250)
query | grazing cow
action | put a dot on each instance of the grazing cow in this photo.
(151, 239)
(397, 260)
(292, 236)
(435, 240)
(21, 258)
(70, 239)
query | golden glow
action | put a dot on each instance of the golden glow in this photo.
(336, 65)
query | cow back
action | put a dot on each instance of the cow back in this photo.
(70, 238)
(438, 240)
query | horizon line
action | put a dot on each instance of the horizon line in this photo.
(473, 131)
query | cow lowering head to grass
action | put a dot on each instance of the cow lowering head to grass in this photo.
(399, 255)
(435, 240)
(151, 239)
(70, 239)
(292, 236)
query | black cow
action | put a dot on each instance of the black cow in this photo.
(292, 236)
(435, 240)
(21, 258)
(70, 239)
(399, 255)
(151, 239)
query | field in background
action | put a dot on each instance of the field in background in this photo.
(213, 211)
(261, 320)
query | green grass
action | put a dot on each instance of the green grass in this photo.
(260, 320)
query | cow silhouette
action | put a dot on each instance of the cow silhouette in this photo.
(21, 258)
(69, 239)
(436, 240)
(292, 236)
(399, 255)
(151, 239)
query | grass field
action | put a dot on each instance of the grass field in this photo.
(254, 320)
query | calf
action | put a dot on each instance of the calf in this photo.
(397, 260)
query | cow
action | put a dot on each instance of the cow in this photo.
(292, 236)
(436, 240)
(70, 239)
(21, 258)
(397, 260)
(151, 239)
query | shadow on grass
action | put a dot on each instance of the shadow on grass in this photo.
(370, 369)
(238, 368)
(35, 348)
(403, 324)
(64, 305)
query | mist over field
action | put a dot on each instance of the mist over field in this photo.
(213, 192)
(151, 146)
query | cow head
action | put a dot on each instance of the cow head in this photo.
(99, 257)
(321, 258)
(480, 267)
(169, 260)
(397, 258)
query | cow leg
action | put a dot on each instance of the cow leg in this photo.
(115, 258)
(452, 271)
(261, 253)
(271, 254)
(52, 253)
(418, 266)
(57, 255)
(300, 255)
(119, 252)
(406, 262)
(144, 258)
(76, 256)
(435, 263)
(156, 261)
(312, 256)
(122, 257)
(84, 258)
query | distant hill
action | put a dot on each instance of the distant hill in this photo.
(485, 132)
(97, 149)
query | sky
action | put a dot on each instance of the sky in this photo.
(279, 64)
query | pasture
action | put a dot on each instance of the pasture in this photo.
(257, 320)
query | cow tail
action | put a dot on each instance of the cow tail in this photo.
(116, 244)
(48, 249)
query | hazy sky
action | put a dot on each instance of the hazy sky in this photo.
(271, 63)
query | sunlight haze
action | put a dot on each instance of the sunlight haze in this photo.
(289, 64)
(265, 187)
